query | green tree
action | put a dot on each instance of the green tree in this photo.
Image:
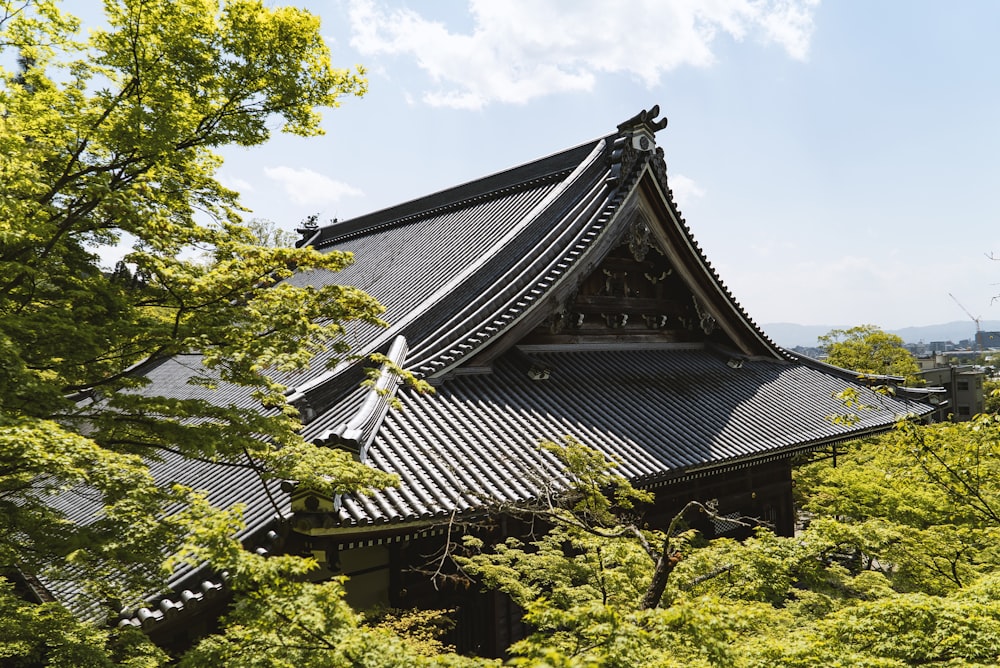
(868, 349)
(922, 504)
(897, 568)
(281, 618)
(268, 233)
(991, 390)
(591, 587)
(113, 136)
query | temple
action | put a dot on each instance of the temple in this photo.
(563, 297)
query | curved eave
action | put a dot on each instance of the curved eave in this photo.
(662, 413)
(691, 259)
(585, 230)
(611, 207)
(514, 277)
(846, 374)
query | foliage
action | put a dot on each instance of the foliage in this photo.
(922, 503)
(593, 499)
(49, 635)
(897, 568)
(281, 618)
(267, 233)
(422, 629)
(868, 349)
(991, 390)
(112, 138)
(595, 494)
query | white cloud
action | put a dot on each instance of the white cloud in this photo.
(522, 49)
(787, 281)
(790, 24)
(306, 187)
(684, 189)
(235, 183)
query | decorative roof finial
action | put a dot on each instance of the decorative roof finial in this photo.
(308, 228)
(310, 222)
(644, 122)
(635, 142)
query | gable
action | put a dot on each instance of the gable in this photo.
(633, 295)
(637, 278)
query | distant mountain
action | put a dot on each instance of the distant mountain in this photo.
(951, 331)
(789, 335)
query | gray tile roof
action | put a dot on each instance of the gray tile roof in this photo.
(659, 412)
(464, 274)
(417, 255)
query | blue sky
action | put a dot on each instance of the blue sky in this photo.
(839, 162)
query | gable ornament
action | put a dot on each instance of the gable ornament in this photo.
(634, 144)
(639, 238)
(615, 283)
(656, 321)
(653, 279)
(615, 320)
(556, 322)
(706, 321)
(659, 165)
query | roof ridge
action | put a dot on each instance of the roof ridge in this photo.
(452, 206)
(405, 323)
(357, 433)
(515, 179)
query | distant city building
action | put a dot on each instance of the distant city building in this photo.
(964, 384)
(988, 339)
(932, 362)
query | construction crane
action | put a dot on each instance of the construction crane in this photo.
(979, 337)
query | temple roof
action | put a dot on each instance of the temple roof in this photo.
(662, 412)
(566, 296)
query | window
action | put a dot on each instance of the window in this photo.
(964, 411)
(963, 385)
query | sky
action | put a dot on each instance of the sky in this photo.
(838, 161)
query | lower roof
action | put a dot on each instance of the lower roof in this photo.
(658, 412)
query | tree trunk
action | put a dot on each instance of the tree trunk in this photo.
(664, 567)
